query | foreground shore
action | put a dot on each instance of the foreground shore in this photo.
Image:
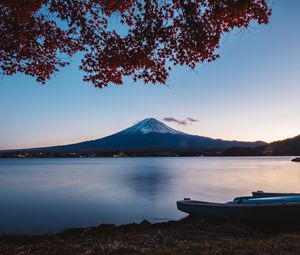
(189, 236)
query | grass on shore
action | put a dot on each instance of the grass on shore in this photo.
(190, 236)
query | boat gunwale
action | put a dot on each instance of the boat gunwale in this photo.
(258, 194)
(203, 203)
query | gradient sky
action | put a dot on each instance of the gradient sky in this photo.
(251, 93)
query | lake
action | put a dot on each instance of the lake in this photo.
(48, 195)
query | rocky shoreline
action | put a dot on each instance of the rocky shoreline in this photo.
(188, 236)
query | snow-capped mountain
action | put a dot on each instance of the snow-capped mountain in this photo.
(147, 136)
(150, 125)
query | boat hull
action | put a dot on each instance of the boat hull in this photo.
(296, 160)
(279, 213)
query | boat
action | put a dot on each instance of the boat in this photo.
(279, 210)
(297, 159)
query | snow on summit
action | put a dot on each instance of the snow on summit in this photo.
(150, 125)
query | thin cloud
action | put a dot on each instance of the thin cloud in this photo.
(192, 120)
(185, 122)
(179, 122)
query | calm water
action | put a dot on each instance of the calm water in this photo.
(47, 195)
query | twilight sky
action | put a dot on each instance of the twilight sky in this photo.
(250, 93)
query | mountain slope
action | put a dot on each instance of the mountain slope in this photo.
(286, 147)
(149, 135)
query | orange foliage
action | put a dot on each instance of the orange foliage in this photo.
(38, 37)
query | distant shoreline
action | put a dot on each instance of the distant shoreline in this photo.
(23, 156)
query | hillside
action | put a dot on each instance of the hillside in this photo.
(286, 147)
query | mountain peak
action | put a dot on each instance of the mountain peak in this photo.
(150, 125)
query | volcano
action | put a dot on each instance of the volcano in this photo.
(147, 136)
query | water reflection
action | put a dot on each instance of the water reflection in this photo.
(149, 181)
